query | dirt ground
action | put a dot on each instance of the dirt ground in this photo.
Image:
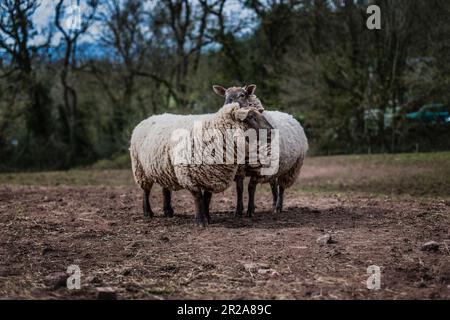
(44, 229)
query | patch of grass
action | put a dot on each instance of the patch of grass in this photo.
(120, 162)
(426, 159)
(77, 178)
(419, 175)
(425, 174)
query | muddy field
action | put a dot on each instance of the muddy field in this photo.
(377, 213)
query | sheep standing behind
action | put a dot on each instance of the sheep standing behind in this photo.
(154, 155)
(293, 147)
(292, 151)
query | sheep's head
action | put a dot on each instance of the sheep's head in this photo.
(243, 96)
(252, 118)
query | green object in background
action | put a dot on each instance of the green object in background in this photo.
(434, 113)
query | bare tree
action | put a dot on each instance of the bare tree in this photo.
(20, 47)
(15, 26)
(70, 37)
(225, 37)
(187, 25)
(123, 24)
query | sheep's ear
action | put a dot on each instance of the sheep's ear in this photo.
(250, 89)
(219, 90)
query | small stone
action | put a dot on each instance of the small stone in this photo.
(251, 266)
(106, 293)
(269, 272)
(325, 239)
(431, 246)
(56, 280)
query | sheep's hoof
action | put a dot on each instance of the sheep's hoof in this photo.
(238, 213)
(250, 212)
(168, 213)
(148, 215)
(201, 223)
(279, 210)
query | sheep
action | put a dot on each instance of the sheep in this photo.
(244, 96)
(155, 155)
(293, 146)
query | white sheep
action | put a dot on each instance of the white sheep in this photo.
(154, 153)
(292, 150)
(293, 147)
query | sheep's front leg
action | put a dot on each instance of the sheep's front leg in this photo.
(207, 200)
(274, 188)
(200, 219)
(168, 210)
(240, 196)
(148, 213)
(280, 200)
(251, 197)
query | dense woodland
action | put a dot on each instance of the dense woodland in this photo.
(70, 97)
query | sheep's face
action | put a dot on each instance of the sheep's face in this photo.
(252, 118)
(236, 94)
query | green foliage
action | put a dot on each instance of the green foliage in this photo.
(349, 86)
(119, 162)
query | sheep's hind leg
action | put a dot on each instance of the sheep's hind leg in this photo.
(251, 197)
(168, 210)
(239, 196)
(274, 188)
(207, 199)
(148, 213)
(280, 200)
(200, 219)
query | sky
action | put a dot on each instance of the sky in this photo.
(44, 16)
